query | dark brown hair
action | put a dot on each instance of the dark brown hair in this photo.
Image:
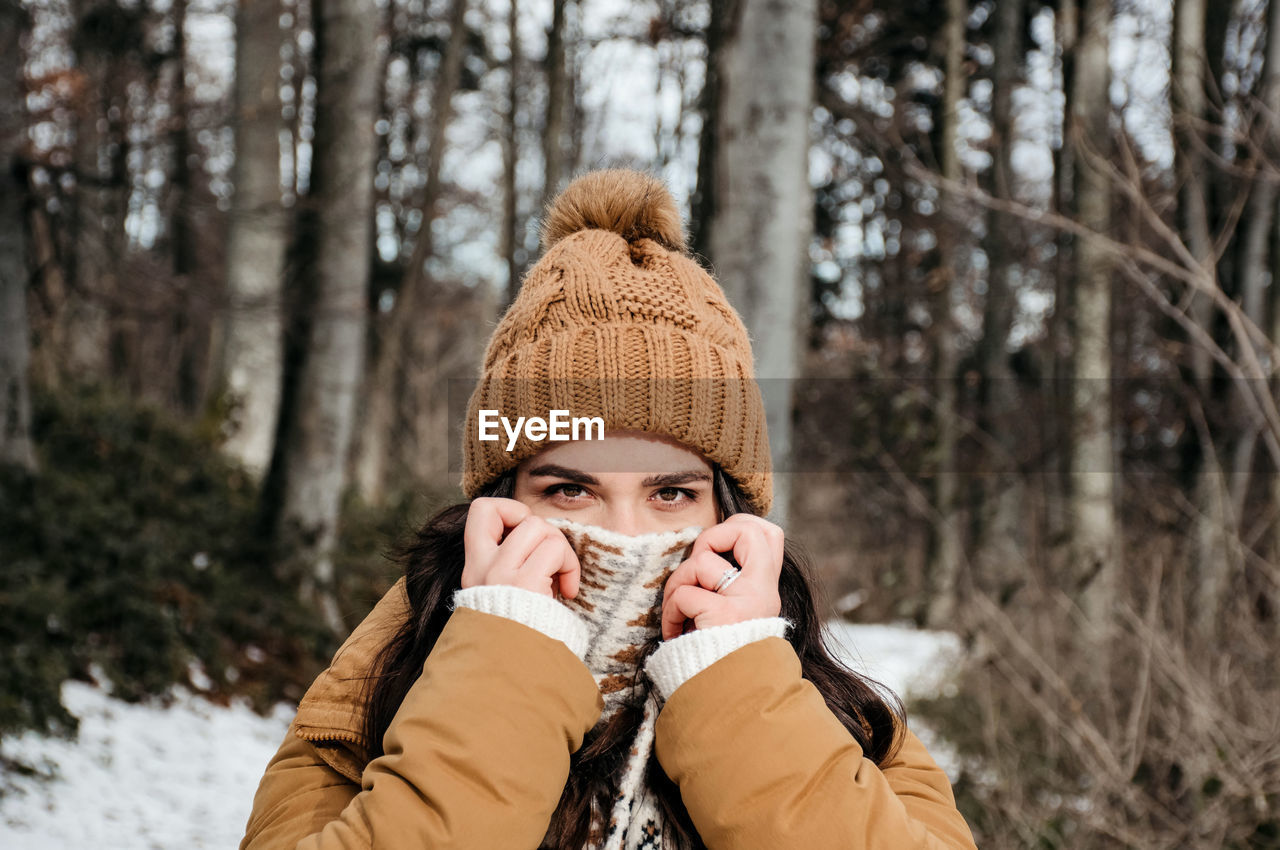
(433, 563)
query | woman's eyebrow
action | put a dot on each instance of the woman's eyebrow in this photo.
(550, 469)
(670, 479)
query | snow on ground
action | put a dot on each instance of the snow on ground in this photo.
(140, 776)
(909, 662)
(144, 776)
(904, 659)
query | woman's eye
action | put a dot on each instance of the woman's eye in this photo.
(567, 490)
(673, 494)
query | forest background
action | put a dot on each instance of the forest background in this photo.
(1008, 266)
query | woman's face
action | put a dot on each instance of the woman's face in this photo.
(631, 482)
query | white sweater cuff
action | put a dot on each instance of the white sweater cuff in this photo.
(535, 610)
(676, 661)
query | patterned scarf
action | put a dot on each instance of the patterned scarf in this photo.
(620, 597)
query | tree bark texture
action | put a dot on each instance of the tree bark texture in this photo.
(15, 339)
(949, 549)
(1189, 110)
(511, 152)
(1059, 426)
(1093, 467)
(724, 15)
(1001, 538)
(252, 359)
(557, 90)
(1190, 104)
(347, 65)
(103, 32)
(1257, 264)
(763, 207)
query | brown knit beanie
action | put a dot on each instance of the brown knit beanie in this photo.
(617, 321)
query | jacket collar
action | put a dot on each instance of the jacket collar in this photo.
(331, 710)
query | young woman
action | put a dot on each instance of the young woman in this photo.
(608, 646)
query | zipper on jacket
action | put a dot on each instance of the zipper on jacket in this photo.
(330, 735)
(351, 772)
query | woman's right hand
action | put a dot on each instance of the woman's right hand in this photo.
(535, 555)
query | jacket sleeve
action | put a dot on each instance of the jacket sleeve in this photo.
(476, 756)
(761, 762)
(298, 794)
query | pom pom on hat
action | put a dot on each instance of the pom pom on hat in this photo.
(630, 203)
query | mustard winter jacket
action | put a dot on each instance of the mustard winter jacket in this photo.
(477, 755)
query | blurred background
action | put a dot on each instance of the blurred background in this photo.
(1007, 264)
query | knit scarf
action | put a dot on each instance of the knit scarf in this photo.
(620, 598)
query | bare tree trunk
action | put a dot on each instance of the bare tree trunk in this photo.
(181, 237)
(15, 339)
(1262, 200)
(86, 319)
(574, 109)
(51, 284)
(703, 203)
(949, 549)
(1001, 538)
(1272, 595)
(1058, 521)
(760, 232)
(557, 89)
(252, 356)
(1190, 110)
(510, 148)
(347, 65)
(116, 197)
(380, 409)
(1259, 224)
(1093, 461)
(1271, 148)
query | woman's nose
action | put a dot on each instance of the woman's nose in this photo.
(623, 520)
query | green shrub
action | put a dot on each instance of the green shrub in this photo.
(134, 550)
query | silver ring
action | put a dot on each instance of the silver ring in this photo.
(730, 576)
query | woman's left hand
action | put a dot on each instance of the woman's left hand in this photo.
(756, 545)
